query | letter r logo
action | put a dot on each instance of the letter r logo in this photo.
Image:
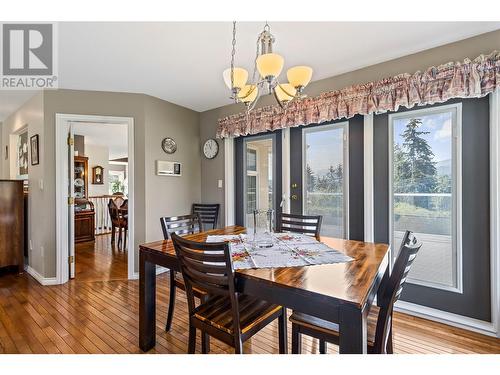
(27, 49)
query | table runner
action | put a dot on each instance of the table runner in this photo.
(288, 250)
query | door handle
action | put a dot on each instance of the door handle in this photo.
(294, 197)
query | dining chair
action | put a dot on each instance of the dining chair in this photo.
(379, 321)
(119, 220)
(186, 224)
(209, 214)
(227, 315)
(309, 225)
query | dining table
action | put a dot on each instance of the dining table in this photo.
(341, 293)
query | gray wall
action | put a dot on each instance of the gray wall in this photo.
(212, 170)
(30, 114)
(170, 196)
(153, 120)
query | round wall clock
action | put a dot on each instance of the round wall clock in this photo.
(210, 148)
(168, 145)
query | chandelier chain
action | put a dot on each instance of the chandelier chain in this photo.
(233, 52)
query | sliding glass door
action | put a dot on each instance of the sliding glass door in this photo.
(324, 179)
(258, 175)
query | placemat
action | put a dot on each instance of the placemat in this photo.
(288, 250)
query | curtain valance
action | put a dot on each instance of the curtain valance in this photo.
(467, 79)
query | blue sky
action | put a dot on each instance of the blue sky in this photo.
(325, 149)
(439, 139)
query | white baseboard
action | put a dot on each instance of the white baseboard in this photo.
(471, 324)
(42, 280)
(159, 270)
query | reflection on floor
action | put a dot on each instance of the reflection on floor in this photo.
(100, 261)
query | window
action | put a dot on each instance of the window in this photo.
(425, 196)
(324, 176)
(117, 182)
(251, 160)
(259, 181)
(251, 194)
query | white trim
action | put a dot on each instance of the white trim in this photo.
(369, 232)
(285, 169)
(62, 123)
(471, 324)
(457, 186)
(159, 271)
(42, 280)
(495, 208)
(229, 181)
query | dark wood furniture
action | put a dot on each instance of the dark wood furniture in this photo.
(84, 221)
(379, 332)
(341, 293)
(81, 174)
(209, 214)
(84, 209)
(118, 213)
(308, 225)
(227, 315)
(187, 224)
(12, 224)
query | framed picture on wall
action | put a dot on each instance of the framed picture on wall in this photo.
(35, 150)
(22, 155)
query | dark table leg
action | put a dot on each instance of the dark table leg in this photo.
(352, 329)
(147, 303)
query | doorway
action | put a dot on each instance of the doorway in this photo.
(258, 176)
(94, 159)
(326, 175)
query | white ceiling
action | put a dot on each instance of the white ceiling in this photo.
(113, 136)
(182, 62)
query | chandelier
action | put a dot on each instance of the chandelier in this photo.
(269, 66)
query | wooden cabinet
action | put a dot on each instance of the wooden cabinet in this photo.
(84, 226)
(84, 209)
(12, 224)
(81, 177)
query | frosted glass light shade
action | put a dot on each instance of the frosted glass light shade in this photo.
(299, 75)
(240, 77)
(248, 93)
(270, 64)
(283, 91)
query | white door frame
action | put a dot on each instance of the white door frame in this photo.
(61, 145)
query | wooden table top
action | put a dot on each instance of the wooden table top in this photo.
(348, 282)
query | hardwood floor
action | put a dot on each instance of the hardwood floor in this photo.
(100, 261)
(102, 317)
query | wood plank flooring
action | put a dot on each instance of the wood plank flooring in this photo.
(98, 313)
(101, 260)
(102, 317)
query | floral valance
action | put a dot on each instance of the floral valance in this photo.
(467, 79)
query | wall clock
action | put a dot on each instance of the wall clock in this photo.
(168, 145)
(210, 148)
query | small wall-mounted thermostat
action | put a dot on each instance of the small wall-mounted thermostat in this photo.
(168, 168)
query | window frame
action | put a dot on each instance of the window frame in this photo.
(456, 152)
(345, 164)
